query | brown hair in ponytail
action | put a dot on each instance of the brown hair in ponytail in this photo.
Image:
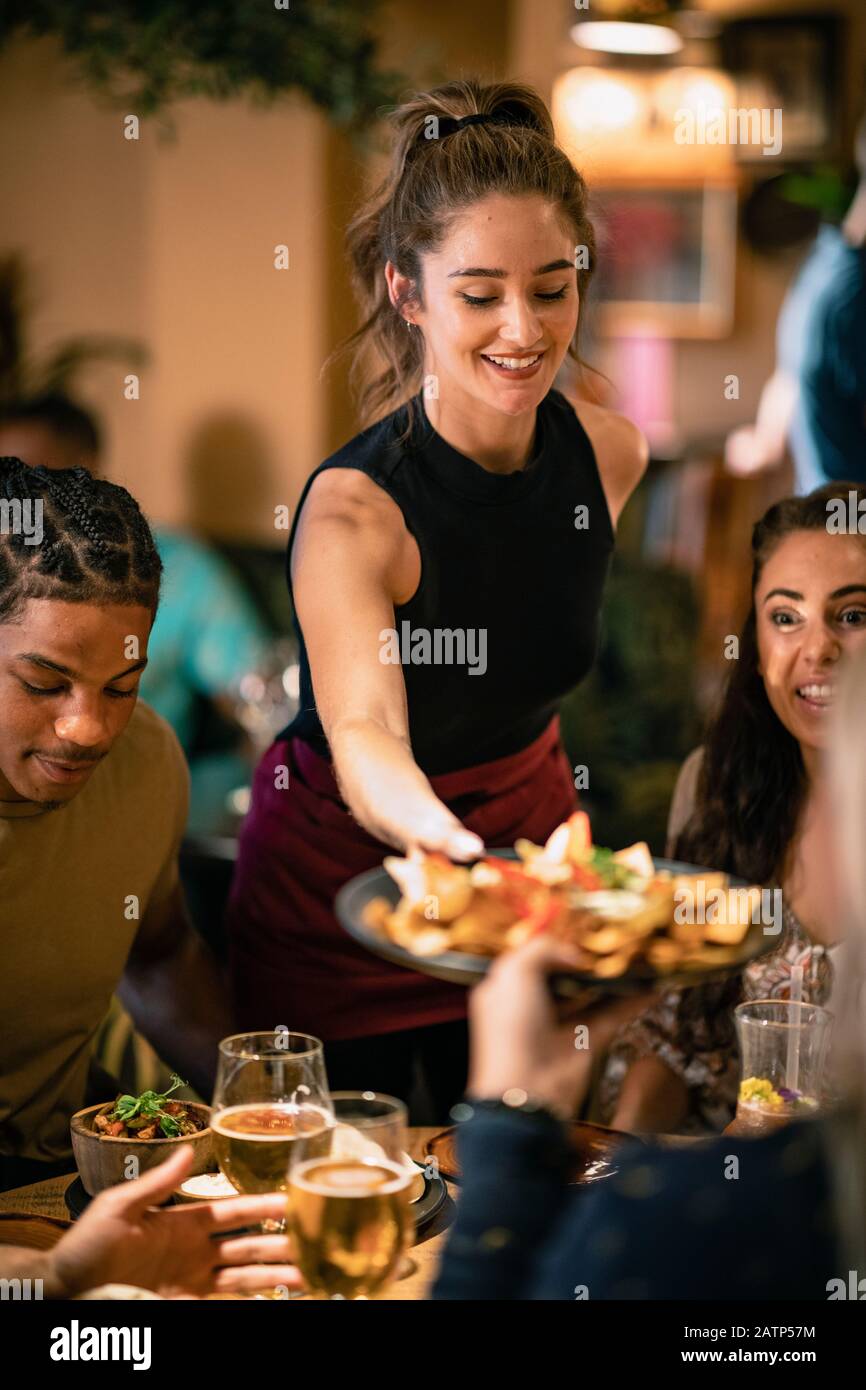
(437, 171)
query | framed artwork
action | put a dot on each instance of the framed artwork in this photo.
(789, 63)
(666, 259)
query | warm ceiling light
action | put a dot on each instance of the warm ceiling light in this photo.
(616, 36)
(595, 102)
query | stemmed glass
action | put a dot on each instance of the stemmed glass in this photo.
(270, 1107)
(349, 1210)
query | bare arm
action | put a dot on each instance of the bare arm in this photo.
(353, 556)
(653, 1100)
(174, 993)
(755, 448)
(621, 452)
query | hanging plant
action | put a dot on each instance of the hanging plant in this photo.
(147, 54)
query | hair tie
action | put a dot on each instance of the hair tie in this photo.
(455, 123)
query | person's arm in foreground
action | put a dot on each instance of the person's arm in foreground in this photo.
(348, 566)
(173, 991)
(515, 1166)
(183, 1251)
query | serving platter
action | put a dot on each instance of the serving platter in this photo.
(457, 967)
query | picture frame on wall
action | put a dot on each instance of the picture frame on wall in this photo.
(789, 63)
(666, 259)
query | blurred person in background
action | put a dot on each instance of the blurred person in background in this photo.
(207, 634)
(749, 802)
(815, 402)
(670, 1224)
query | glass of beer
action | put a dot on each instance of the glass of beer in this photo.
(270, 1107)
(783, 1050)
(349, 1211)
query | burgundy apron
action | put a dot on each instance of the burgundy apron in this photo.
(291, 962)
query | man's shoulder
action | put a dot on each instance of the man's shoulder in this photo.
(149, 750)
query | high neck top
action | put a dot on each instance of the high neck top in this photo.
(505, 619)
(466, 478)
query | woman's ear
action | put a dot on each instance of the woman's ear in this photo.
(400, 289)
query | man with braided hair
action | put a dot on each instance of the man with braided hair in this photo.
(208, 633)
(93, 803)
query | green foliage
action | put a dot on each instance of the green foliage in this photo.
(147, 54)
(635, 718)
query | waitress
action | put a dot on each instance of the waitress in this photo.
(446, 568)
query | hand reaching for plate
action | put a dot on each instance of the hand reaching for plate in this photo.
(522, 1041)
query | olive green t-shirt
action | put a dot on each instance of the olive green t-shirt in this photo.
(76, 885)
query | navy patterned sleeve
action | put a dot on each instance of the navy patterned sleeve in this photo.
(734, 1218)
(514, 1187)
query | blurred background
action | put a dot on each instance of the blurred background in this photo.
(177, 180)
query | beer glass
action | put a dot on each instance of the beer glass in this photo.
(349, 1211)
(270, 1107)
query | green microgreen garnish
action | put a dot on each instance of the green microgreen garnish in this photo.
(149, 1106)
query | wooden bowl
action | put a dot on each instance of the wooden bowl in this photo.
(104, 1162)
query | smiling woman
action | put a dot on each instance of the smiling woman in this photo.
(478, 502)
(753, 801)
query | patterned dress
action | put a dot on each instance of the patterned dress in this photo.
(692, 1031)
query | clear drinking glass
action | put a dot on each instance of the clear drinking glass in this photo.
(783, 1053)
(271, 1107)
(349, 1211)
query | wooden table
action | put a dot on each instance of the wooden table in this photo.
(46, 1199)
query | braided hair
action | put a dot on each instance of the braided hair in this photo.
(95, 545)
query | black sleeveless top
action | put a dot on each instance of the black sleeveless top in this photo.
(505, 619)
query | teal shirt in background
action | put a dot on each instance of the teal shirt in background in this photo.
(206, 635)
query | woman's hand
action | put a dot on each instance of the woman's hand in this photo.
(181, 1251)
(437, 828)
(521, 1039)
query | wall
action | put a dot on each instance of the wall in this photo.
(171, 242)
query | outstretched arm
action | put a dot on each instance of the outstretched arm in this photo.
(350, 557)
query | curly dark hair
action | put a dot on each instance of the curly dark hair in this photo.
(752, 784)
(95, 547)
